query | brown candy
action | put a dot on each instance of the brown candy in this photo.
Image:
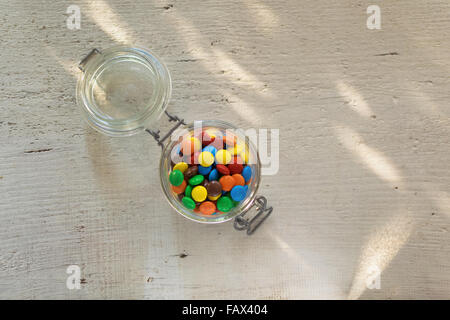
(214, 188)
(190, 172)
(205, 183)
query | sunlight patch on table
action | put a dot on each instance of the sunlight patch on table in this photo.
(109, 21)
(214, 59)
(354, 99)
(373, 159)
(381, 248)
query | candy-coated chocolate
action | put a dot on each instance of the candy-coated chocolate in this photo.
(195, 180)
(208, 207)
(218, 143)
(190, 145)
(236, 149)
(179, 189)
(223, 156)
(188, 203)
(247, 173)
(176, 177)
(214, 198)
(235, 168)
(245, 155)
(199, 193)
(238, 179)
(182, 166)
(236, 159)
(206, 159)
(230, 138)
(213, 133)
(194, 158)
(213, 175)
(188, 190)
(227, 183)
(214, 188)
(190, 172)
(206, 138)
(211, 149)
(224, 204)
(204, 170)
(220, 180)
(223, 169)
(238, 193)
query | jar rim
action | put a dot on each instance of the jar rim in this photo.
(139, 121)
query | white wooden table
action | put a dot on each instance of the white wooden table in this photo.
(363, 183)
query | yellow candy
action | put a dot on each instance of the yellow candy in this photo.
(236, 149)
(199, 193)
(205, 159)
(223, 156)
(245, 155)
(182, 166)
(214, 198)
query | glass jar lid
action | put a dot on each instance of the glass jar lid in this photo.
(123, 90)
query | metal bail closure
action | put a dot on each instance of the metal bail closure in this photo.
(155, 133)
(263, 212)
(94, 52)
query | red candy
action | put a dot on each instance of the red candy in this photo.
(237, 160)
(235, 168)
(206, 139)
(194, 158)
(223, 169)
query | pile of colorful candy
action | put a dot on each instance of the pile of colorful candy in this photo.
(210, 171)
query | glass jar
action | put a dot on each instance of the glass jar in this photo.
(125, 90)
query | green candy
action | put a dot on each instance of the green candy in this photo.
(188, 202)
(195, 180)
(176, 177)
(224, 204)
(188, 190)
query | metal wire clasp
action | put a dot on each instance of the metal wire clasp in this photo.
(155, 134)
(94, 52)
(263, 212)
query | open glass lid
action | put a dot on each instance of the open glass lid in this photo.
(122, 90)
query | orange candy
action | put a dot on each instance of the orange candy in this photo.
(179, 189)
(227, 183)
(238, 179)
(207, 207)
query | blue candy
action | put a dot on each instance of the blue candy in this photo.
(247, 173)
(238, 193)
(213, 175)
(204, 170)
(211, 149)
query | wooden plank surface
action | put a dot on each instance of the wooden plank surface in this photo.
(364, 151)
